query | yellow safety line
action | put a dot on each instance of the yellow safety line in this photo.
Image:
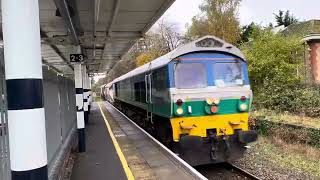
(123, 160)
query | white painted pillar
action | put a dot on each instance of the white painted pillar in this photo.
(90, 96)
(85, 95)
(79, 102)
(23, 70)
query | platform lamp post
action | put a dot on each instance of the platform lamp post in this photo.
(24, 81)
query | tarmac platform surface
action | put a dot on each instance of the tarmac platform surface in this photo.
(144, 158)
(100, 161)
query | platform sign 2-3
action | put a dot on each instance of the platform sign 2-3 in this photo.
(76, 57)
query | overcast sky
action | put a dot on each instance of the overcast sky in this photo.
(259, 11)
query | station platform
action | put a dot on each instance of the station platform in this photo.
(118, 149)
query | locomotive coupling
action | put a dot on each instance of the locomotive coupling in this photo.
(214, 149)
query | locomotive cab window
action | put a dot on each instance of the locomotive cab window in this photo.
(190, 75)
(228, 74)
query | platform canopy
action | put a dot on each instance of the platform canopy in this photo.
(102, 30)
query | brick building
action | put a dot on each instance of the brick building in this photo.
(310, 33)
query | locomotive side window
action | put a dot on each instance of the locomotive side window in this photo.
(159, 79)
(228, 74)
(137, 92)
(140, 92)
(190, 75)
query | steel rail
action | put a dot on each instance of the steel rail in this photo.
(244, 172)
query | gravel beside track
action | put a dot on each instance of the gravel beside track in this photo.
(265, 169)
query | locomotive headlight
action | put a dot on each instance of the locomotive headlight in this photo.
(209, 101)
(216, 101)
(179, 111)
(243, 107)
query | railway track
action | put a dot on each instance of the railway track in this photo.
(244, 172)
(176, 159)
(225, 171)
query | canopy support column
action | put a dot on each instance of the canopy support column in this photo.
(85, 95)
(90, 95)
(79, 102)
(23, 70)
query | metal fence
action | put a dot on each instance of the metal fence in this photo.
(60, 113)
(4, 143)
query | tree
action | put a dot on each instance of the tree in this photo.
(279, 18)
(144, 58)
(273, 61)
(285, 19)
(247, 31)
(218, 18)
(162, 40)
(120, 68)
(271, 58)
(169, 35)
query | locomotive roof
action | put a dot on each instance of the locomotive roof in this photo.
(218, 46)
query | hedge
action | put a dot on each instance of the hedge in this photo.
(289, 133)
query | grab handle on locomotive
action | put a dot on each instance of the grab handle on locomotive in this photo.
(150, 88)
(146, 86)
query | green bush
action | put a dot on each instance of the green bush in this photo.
(274, 61)
(289, 133)
(297, 99)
